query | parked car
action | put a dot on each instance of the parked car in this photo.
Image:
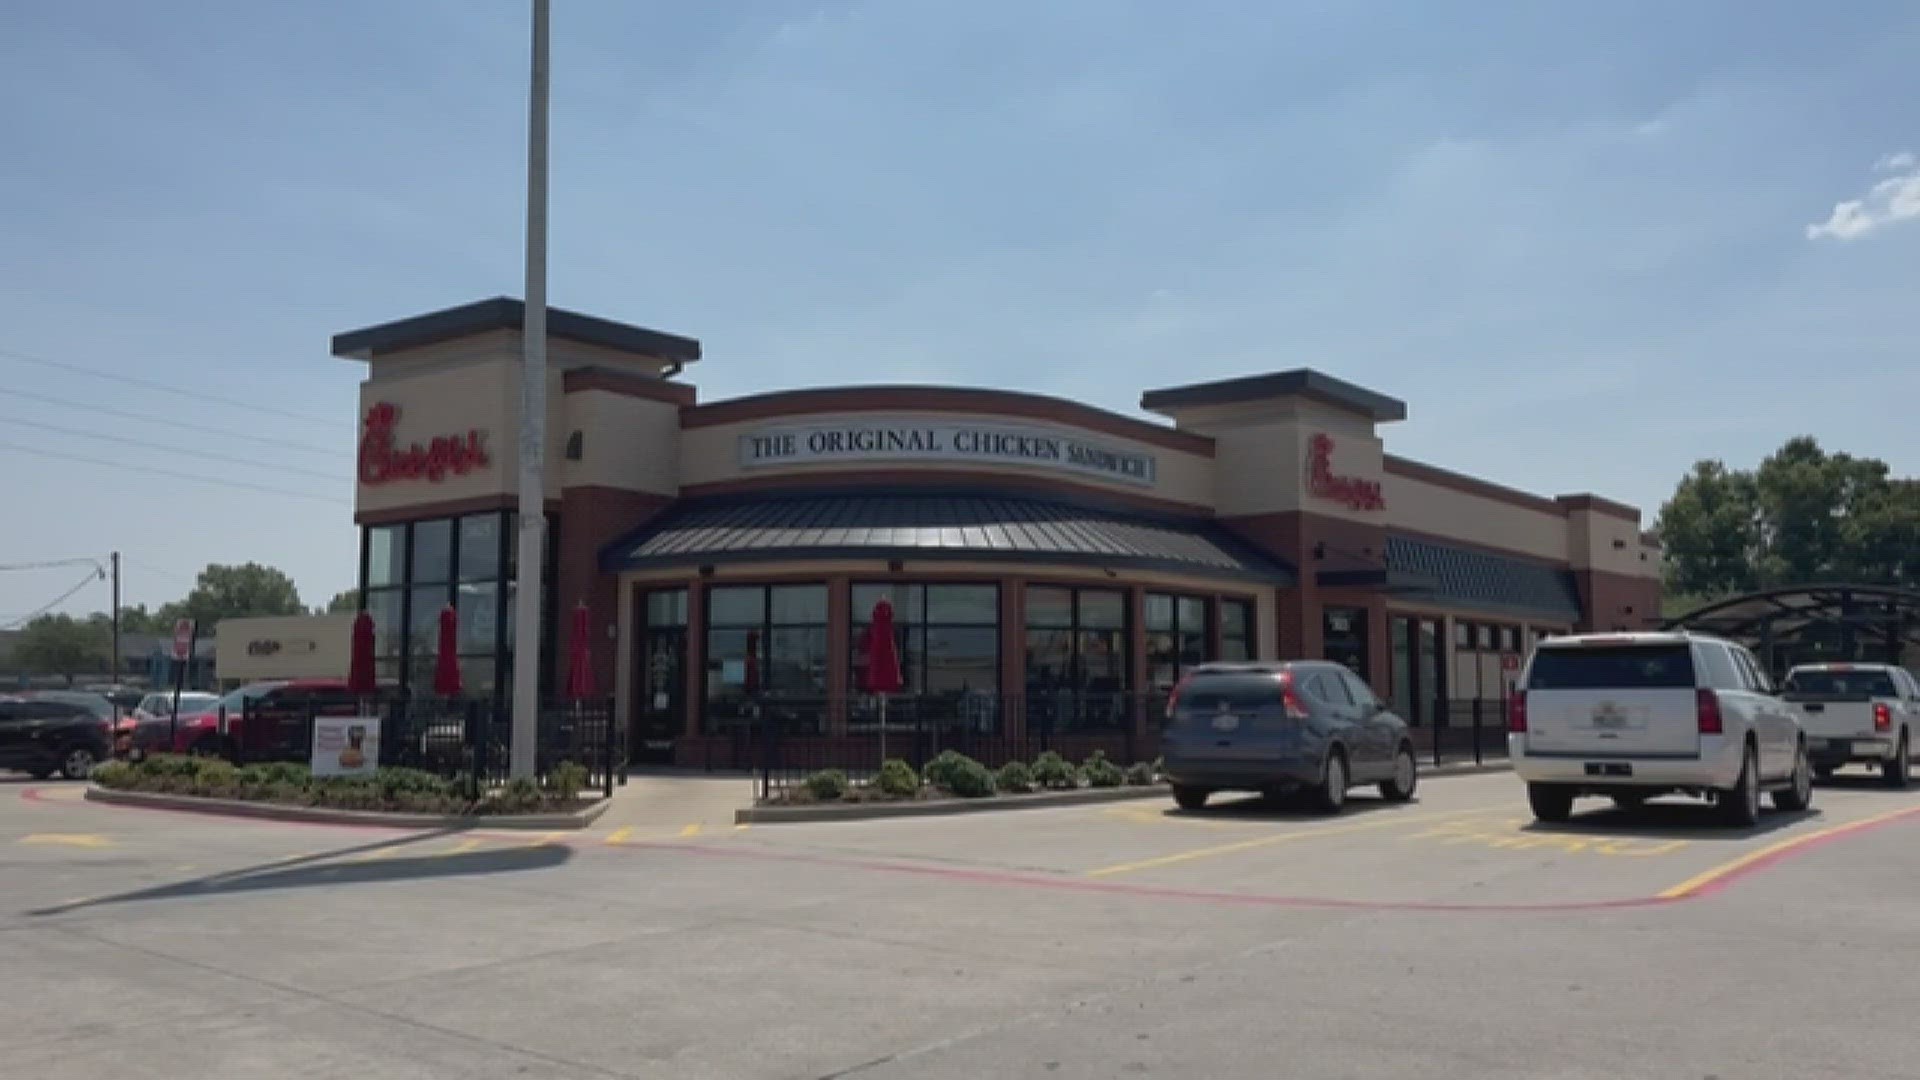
(148, 728)
(43, 734)
(1862, 713)
(1634, 716)
(221, 726)
(158, 705)
(1301, 726)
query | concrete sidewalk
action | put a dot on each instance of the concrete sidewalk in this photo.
(677, 803)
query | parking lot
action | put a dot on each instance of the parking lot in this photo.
(1122, 939)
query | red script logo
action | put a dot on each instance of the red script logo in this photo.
(1351, 490)
(382, 460)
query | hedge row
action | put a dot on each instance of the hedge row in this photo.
(957, 775)
(391, 789)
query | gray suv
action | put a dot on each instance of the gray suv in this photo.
(1296, 727)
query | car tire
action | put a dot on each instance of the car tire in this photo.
(1898, 771)
(1188, 798)
(1739, 805)
(1551, 803)
(78, 762)
(1799, 795)
(1406, 777)
(1330, 794)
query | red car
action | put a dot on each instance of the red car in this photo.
(278, 710)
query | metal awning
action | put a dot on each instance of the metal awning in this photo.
(1808, 622)
(1460, 577)
(922, 526)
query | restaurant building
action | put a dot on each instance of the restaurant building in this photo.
(1050, 564)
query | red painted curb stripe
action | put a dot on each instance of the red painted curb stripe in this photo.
(1811, 843)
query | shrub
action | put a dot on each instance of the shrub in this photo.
(216, 779)
(114, 774)
(519, 796)
(1140, 774)
(1050, 770)
(897, 780)
(287, 772)
(967, 778)
(827, 785)
(1102, 772)
(565, 781)
(1014, 777)
(940, 771)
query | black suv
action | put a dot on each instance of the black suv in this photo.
(42, 736)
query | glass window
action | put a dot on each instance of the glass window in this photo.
(798, 604)
(424, 619)
(961, 659)
(1048, 606)
(1076, 673)
(478, 605)
(1103, 608)
(1483, 636)
(1362, 693)
(948, 641)
(386, 555)
(1463, 635)
(963, 605)
(1236, 630)
(737, 605)
(766, 657)
(1621, 667)
(668, 607)
(384, 607)
(432, 551)
(1509, 639)
(905, 598)
(1159, 612)
(1179, 641)
(480, 547)
(796, 660)
(1328, 688)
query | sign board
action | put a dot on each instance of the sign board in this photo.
(1354, 492)
(1510, 662)
(918, 440)
(345, 745)
(384, 460)
(182, 639)
(283, 647)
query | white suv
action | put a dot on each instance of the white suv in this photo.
(1632, 716)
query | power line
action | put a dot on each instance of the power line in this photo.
(52, 564)
(149, 418)
(174, 475)
(145, 565)
(23, 620)
(148, 384)
(224, 459)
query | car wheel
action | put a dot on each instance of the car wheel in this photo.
(78, 763)
(1800, 795)
(1898, 773)
(1406, 776)
(1630, 802)
(1187, 798)
(1551, 803)
(1331, 794)
(1739, 805)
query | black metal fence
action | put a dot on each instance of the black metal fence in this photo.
(450, 737)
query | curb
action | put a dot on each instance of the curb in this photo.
(321, 815)
(1040, 800)
(773, 815)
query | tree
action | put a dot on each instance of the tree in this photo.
(236, 592)
(1710, 530)
(63, 645)
(348, 601)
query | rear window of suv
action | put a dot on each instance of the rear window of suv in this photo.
(1612, 667)
(1870, 683)
(1233, 693)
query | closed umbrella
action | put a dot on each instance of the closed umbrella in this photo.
(360, 679)
(446, 667)
(579, 659)
(883, 662)
(751, 677)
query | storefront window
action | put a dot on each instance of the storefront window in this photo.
(1344, 637)
(948, 638)
(415, 570)
(1176, 637)
(386, 556)
(767, 657)
(1077, 662)
(1236, 630)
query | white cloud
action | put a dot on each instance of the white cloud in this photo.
(1894, 199)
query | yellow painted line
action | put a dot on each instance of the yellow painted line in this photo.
(85, 840)
(1707, 877)
(548, 839)
(464, 846)
(619, 836)
(1392, 820)
(691, 830)
(375, 855)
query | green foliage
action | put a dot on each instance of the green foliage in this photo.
(961, 775)
(1014, 778)
(62, 645)
(343, 603)
(1050, 770)
(1101, 772)
(1140, 774)
(406, 790)
(940, 771)
(897, 780)
(566, 780)
(827, 785)
(235, 592)
(114, 774)
(519, 796)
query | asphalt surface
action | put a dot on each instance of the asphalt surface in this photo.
(1451, 937)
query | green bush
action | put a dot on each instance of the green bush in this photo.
(1015, 778)
(940, 771)
(286, 772)
(1102, 772)
(896, 779)
(827, 785)
(519, 796)
(961, 775)
(114, 774)
(216, 779)
(1140, 774)
(566, 780)
(1050, 770)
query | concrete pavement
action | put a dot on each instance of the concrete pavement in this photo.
(1449, 938)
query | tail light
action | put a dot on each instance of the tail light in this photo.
(1517, 712)
(1707, 709)
(1882, 717)
(1290, 698)
(1173, 696)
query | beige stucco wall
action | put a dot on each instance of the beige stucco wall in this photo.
(439, 401)
(1592, 538)
(1445, 511)
(293, 647)
(1261, 456)
(712, 454)
(628, 442)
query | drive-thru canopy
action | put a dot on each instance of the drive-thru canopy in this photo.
(1812, 623)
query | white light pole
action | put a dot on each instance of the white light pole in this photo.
(528, 574)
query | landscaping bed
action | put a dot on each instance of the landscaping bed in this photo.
(954, 776)
(405, 791)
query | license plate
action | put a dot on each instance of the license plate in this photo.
(1226, 722)
(1609, 721)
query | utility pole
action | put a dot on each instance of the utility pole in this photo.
(529, 573)
(114, 662)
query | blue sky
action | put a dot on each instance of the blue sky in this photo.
(1588, 243)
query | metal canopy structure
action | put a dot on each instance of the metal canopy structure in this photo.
(1812, 623)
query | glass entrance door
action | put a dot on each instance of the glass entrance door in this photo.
(1344, 634)
(660, 683)
(1419, 673)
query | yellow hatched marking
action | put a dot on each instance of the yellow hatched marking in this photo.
(464, 846)
(620, 835)
(691, 830)
(1392, 820)
(81, 840)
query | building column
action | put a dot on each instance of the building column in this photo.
(696, 656)
(1013, 658)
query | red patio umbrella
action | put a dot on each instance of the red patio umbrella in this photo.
(446, 667)
(883, 662)
(579, 659)
(360, 679)
(752, 674)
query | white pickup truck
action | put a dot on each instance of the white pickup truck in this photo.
(1862, 713)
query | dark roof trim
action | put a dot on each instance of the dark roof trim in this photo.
(626, 384)
(1301, 382)
(1598, 505)
(507, 313)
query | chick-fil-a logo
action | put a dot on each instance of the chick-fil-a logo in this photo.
(382, 460)
(1351, 490)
